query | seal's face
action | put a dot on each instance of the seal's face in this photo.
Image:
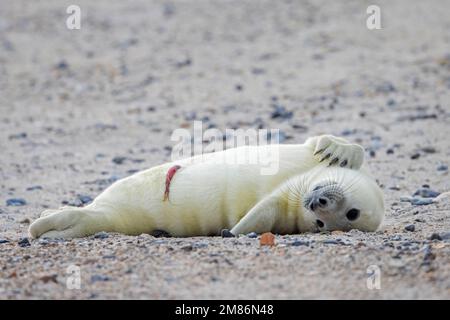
(344, 199)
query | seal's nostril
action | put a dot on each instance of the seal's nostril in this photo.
(319, 223)
(323, 201)
(311, 205)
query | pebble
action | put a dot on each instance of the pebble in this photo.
(119, 160)
(298, 243)
(62, 65)
(252, 235)
(3, 241)
(410, 228)
(99, 277)
(34, 188)
(415, 156)
(417, 201)
(330, 242)
(85, 199)
(24, 242)
(280, 112)
(442, 167)
(226, 234)
(440, 236)
(426, 193)
(16, 202)
(101, 235)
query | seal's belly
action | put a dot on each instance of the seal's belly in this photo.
(215, 199)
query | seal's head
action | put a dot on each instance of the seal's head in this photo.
(343, 199)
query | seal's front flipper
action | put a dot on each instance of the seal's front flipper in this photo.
(261, 218)
(337, 151)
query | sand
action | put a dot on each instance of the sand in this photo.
(82, 108)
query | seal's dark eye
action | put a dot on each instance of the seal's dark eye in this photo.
(320, 223)
(352, 214)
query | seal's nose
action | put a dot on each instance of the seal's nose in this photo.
(318, 202)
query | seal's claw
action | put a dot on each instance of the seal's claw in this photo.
(325, 157)
(344, 163)
(225, 233)
(334, 161)
(318, 152)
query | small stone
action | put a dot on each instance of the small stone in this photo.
(226, 234)
(48, 278)
(187, 248)
(3, 241)
(99, 278)
(16, 202)
(330, 242)
(426, 193)
(390, 151)
(429, 149)
(298, 243)
(34, 188)
(252, 235)
(442, 167)
(415, 156)
(62, 65)
(435, 236)
(85, 199)
(410, 228)
(280, 112)
(24, 242)
(101, 235)
(25, 221)
(119, 160)
(21, 135)
(267, 239)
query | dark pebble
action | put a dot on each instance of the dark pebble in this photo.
(85, 199)
(390, 151)
(426, 193)
(410, 228)
(280, 112)
(435, 236)
(442, 167)
(440, 236)
(391, 102)
(21, 135)
(3, 241)
(252, 235)
(16, 202)
(429, 149)
(24, 242)
(330, 242)
(298, 243)
(101, 235)
(187, 248)
(119, 160)
(34, 188)
(415, 156)
(99, 277)
(63, 65)
(226, 234)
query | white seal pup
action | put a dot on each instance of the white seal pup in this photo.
(319, 185)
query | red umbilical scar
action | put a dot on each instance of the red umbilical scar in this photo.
(169, 177)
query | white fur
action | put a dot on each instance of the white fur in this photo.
(206, 196)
